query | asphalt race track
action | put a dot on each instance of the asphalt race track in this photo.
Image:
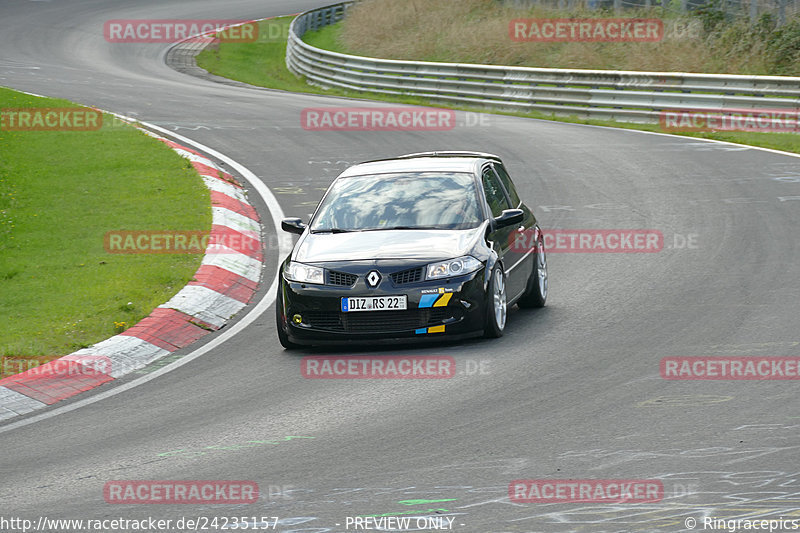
(572, 391)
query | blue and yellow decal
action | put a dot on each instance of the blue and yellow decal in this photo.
(438, 299)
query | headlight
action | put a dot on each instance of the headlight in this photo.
(304, 273)
(453, 267)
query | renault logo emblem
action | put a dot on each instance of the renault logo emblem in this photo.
(373, 278)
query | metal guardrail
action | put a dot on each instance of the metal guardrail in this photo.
(626, 96)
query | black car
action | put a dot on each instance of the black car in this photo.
(419, 246)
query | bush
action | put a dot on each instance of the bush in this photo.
(783, 48)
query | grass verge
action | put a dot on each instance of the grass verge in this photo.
(707, 39)
(262, 63)
(60, 193)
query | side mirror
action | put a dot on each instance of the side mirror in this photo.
(293, 225)
(509, 217)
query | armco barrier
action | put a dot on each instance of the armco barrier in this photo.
(599, 94)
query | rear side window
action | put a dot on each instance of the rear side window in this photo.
(495, 196)
(510, 189)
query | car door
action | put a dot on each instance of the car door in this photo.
(497, 201)
(520, 259)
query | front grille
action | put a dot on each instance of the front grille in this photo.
(380, 321)
(341, 278)
(411, 275)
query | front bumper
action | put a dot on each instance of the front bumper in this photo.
(311, 314)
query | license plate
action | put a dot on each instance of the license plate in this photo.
(374, 303)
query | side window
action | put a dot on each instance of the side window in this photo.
(506, 179)
(495, 196)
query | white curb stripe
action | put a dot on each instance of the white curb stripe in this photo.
(122, 364)
(236, 262)
(208, 305)
(127, 353)
(12, 403)
(222, 216)
(98, 363)
(218, 185)
(194, 157)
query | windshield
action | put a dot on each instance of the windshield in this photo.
(418, 200)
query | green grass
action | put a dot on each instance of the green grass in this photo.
(326, 38)
(256, 63)
(263, 64)
(60, 192)
(477, 31)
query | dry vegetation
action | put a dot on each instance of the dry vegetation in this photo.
(477, 31)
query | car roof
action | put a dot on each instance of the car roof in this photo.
(423, 162)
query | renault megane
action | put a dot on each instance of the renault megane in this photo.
(419, 246)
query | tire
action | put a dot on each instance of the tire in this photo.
(282, 337)
(496, 305)
(538, 284)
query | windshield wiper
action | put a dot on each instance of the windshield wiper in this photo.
(402, 227)
(332, 230)
(340, 230)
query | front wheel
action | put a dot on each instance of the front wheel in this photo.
(496, 306)
(536, 292)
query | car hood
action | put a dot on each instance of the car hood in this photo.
(390, 244)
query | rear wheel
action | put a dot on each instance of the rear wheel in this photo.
(496, 306)
(536, 292)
